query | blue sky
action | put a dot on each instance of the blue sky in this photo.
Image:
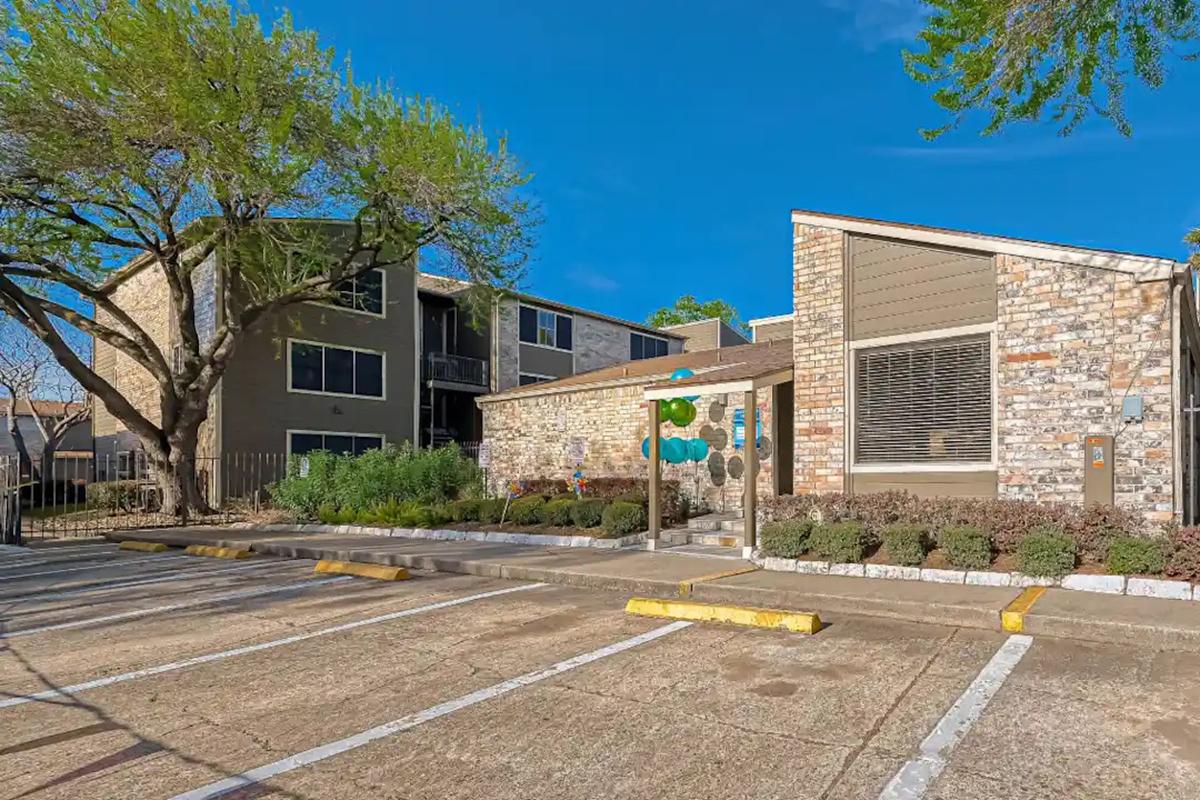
(669, 140)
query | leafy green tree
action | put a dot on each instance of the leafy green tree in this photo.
(688, 309)
(1017, 59)
(163, 131)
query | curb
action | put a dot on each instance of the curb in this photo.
(444, 535)
(685, 587)
(1012, 618)
(376, 571)
(794, 621)
(142, 547)
(216, 552)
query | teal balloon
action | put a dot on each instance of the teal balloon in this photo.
(698, 449)
(646, 447)
(681, 373)
(675, 451)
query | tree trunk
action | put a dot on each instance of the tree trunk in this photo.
(175, 472)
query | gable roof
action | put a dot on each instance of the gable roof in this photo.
(1143, 267)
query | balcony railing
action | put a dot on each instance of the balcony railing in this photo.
(455, 369)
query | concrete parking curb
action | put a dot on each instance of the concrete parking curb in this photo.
(376, 571)
(1012, 618)
(217, 552)
(794, 621)
(143, 547)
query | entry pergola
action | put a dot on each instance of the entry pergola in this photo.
(745, 378)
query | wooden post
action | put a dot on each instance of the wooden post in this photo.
(750, 499)
(655, 478)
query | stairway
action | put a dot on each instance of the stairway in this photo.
(719, 530)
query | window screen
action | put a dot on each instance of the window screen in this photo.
(927, 402)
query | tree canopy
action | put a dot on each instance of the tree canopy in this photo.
(155, 132)
(1017, 60)
(688, 309)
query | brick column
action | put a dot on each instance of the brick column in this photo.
(818, 347)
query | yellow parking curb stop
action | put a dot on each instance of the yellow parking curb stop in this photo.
(685, 587)
(795, 621)
(216, 552)
(143, 547)
(380, 572)
(1012, 618)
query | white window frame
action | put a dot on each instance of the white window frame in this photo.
(662, 339)
(540, 377)
(383, 288)
(540, 310)
(383, 369)
(288, 436)
(912, 338)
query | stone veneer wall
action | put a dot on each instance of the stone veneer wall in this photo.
(529, 437)
(1072, 342)
(818, 347)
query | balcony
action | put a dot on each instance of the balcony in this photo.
(445, 368)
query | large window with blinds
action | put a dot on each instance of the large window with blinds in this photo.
(924, 403)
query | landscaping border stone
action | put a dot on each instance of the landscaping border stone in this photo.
(441, 535)
(1153, 587)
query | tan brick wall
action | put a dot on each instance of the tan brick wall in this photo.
(144, 296)
(819, 353)
(1072, 342)
(529, 438)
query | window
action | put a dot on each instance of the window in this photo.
(642, 346)
(325, 369)
(924, 403)
(545, 328)
(363, 293)
(304, 442)
(527, 378)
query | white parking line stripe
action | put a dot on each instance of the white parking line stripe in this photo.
(916, 776)
(38, 562)
(204, 601)
(254, 648)
(330, 749)
(70, 547)
(106, 565)
(125, 583)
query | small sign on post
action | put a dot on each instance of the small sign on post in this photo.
(485, 454)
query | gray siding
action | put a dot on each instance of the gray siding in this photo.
(773, 331)
(544, 361)
(256, 407)
(898, 288)
(506, 346)
(928, 484)
(730, 336)
(599, 343)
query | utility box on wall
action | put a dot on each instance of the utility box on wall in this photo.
(1097, 470)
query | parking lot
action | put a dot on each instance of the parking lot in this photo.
(128, 675)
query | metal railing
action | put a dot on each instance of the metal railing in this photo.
(455, 369)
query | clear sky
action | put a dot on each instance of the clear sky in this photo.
(669, 140)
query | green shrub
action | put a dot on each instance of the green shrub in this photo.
(326, 513)
(621, 518)
(1136, 555)
(490, 511)
(1047, 552)
(367, 481)
(464, 510)
(785, 539)
(840, 542)
(1184, 546)
(966, 547)
(558, 511)
(905, 543)
(113, 494)
(587, 513)
(635, 496)
(529, 510)
(423, 517)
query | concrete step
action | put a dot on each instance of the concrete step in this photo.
(716, 538)
(717, 522)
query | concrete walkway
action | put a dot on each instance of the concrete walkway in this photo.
(1159, 624)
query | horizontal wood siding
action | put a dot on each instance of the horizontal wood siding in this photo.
(898, 288)
(927, 484)
(773, 331)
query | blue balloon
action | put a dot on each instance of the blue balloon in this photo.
(675, 450)
(681, 373)
(646, 447)
(698, 449)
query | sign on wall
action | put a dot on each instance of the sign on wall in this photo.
(739, 428)
(576, 450)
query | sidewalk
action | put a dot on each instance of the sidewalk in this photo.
(1139, 621)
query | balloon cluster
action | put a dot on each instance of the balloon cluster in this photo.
(682, 412)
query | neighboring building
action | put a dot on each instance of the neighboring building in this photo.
(74, 452)
(521, 341)
(934, 361)
(769, 329)
(706, 334)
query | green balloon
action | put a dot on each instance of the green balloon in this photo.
(664, 410)
(682, 412)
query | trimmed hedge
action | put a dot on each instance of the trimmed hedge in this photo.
(674, 505)
(841, 542)
(785, 539)
(558, 511)
(1136, 555)
(906, 543)
(529, 510)
(464, 510)
(966, 547)
(1184, 562)
(1047, 552)
(491, 510)
(587, 513)
(622, 518)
